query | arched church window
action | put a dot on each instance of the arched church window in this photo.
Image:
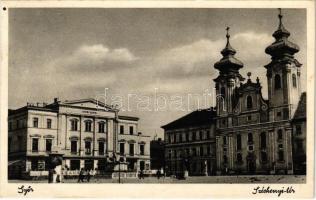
(249, 102)
(280, 135)
(238, 142)
(263, 141)
(250, 137)
(294, 80)
(277, 82)
(224, 140)
(239, 157)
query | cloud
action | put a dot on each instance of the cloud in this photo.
(99, 53)
(94, 57)
(187, 60)
(251, 46)
(198, 58)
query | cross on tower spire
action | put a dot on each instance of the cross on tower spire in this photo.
(227, 32)
(280, 18)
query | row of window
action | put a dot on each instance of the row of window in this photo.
(48, 145)
(131, 129)
(193, 136)
(87, 126)
(263, 157)
(278, 81)
(132, 149)
(277, 85)
(20, 123)
(263, 139)
(87, 145)
(74, 125)
(48, 123)
(74, 146)
(199, 151)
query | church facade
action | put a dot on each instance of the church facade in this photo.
(255, 135)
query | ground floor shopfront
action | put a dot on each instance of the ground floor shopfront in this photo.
(197, 166)
(39, 166)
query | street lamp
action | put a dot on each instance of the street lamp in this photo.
(118, 161)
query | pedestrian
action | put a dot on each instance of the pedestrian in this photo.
(81, 175)
(142, 174)
(158, 174)
(139, 175)
(88, 175)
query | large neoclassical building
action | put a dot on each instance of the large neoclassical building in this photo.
(85, 132)
(253, 135)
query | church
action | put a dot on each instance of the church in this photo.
(252, 135)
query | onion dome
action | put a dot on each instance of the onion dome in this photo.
(282, 47)
(228, 62)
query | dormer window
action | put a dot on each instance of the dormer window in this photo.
(277, 82)
(249, 102)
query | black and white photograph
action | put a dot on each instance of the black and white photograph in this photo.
(168, 96)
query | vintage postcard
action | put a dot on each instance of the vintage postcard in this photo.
(177, 99)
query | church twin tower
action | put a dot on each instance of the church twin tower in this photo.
(283, 75)
(254, 135)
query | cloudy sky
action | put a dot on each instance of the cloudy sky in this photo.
(77, 53)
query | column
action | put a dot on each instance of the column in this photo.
(271, 152)
(230, 86)
(80, 136)
(231, 151)
(288, 87)
(94, 138)
(95, 164)
(67, 162)
(109, 138)
(288, 150)
(81, 164)
(298, 80)
(218, 156)
(28, 165)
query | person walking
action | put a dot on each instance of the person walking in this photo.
(158, 174)
(81, 175)
(88, 175)
(142, 176)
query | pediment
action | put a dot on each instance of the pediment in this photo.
(88, 103)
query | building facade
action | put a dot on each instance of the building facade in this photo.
(190, 144)
(87, 133)
(256, 135)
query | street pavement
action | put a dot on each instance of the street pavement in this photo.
(194, 179)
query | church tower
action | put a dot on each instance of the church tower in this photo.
(226, 83)
(283, 74)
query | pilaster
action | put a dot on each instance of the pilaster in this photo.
(272, 148)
